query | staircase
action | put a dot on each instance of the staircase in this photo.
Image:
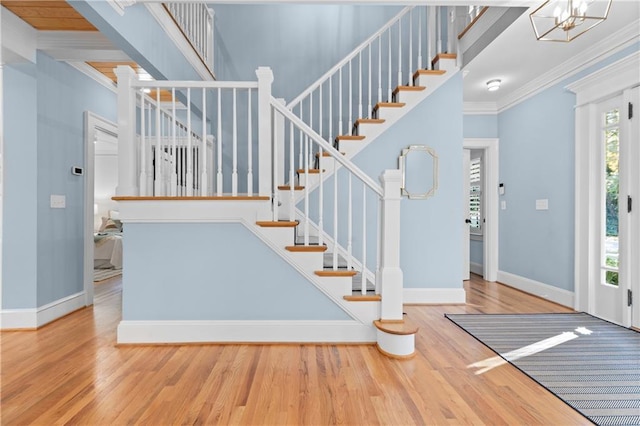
(311, 204)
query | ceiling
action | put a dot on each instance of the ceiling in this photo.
(51, 15)
(521, 61)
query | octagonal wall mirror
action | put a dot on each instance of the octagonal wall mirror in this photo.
(419, 167)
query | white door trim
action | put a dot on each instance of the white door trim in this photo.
(92, 122)
(490, 193)
(466, 234)
(607, 82)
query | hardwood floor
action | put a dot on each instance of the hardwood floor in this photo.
(71, 372)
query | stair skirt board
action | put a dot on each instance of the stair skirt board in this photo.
(237, 331)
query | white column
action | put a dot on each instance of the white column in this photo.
(1, 155)
(390, 274)
(265, 78)
(126, 132)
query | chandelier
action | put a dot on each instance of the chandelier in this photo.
(564, 20)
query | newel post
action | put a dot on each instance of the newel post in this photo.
(390, 273)
(265, 78)
(127, 155)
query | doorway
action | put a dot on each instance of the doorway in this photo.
(101, 133)
(480, 219)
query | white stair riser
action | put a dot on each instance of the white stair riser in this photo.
(408, 96)
(340, 286)
(308, 261)
(370, 130)
(310, 179)
(327, 164)
(445, 64)
(279, 236)
(350, 147)
(391, 113)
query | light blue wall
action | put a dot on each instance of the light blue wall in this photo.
(20, 236)
(43, 247)
(537, 162)
(481, 126)
(227, 273)
(431, 229)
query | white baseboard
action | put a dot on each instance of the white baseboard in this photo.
(11, 319)
(433, 296)
(141, 332)
(476, 268)
(545, 291)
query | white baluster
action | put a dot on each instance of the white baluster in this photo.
(340, 102)
(174, 176)
(320, 198)
(320, 115)
(450, 27)
(157, 183)
(142, 180)
(359, 86)
(219, 146)
(292, 196)
(234, 171)
(311, 125)
(301, 150)
(274, 137)
(439, 28)
(370, 84)
(400, 52)
(189, 147)
(379, 70)
(419, 40)
(306, 191)
(364, 240)
(330, 138)
(410, 48)
(431, 38)
(335, 220)
(148, 165)
(350, 95)
(350, 226)
(389, 72)
(204, 190)
(249, 147)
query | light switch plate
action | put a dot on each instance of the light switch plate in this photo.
(542, 204)
(503, 205)
(58, 201)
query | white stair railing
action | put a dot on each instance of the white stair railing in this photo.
(176, 153)
(371, 72)
(348, 212)
(195, 20)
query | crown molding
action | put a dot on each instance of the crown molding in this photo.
(94, 74)
(479, 108)
(617, 41)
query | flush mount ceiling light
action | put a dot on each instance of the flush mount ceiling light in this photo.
(564, 20)
(493, 85)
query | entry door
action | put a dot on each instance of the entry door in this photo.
(613, 180)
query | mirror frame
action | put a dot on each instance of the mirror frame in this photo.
(402, 160)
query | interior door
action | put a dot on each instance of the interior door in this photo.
(614, 191)
(466, 244)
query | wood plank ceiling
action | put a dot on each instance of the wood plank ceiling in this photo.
(58, 15)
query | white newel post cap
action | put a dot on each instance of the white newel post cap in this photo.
(391, 181)
(265, 75)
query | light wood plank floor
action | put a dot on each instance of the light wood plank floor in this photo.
(71, 372)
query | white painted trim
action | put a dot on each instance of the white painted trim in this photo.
(609, 80)
(545, 291)
(490, 191)
(92, 123)
(476, 268)
(19, 39)
(401, 345)
(173, 32)
(433, 296)
(79, 46)
(617, 41)
(303, 331)
(501, 3)
(94, 74)
(37, 317)
(480, 108)
(1, 156)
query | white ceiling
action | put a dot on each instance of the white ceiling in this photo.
(521, 61)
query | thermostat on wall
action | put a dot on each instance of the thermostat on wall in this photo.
(78, 171)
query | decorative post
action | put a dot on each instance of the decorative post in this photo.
(391, 279)
(279, 144)
(265, 78)
(126, 132)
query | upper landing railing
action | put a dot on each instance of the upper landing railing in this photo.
(195, 20)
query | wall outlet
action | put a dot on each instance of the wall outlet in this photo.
(542, 204)
(503, 205)
(58, 201)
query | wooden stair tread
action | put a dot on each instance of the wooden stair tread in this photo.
(336, 273)
(369, 120)
(198, 198)
(428, 72)
(310, 249)
(363, 298)
(388, 105)
(311, 171)
(350, 138)
(288, 188)
(408, 89)
(277, 224)
(443, 56)
(401, 327)
(326, 154)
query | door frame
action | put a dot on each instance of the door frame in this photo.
(613, 80)
(92, 123)
(490, 194)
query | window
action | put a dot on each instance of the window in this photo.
(475, 196)
(611, 180)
